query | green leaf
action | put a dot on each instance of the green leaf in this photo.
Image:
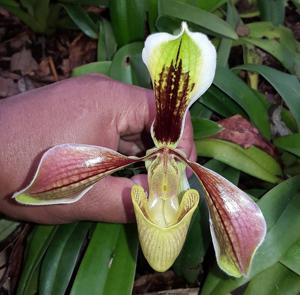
(151, 11)
(101, 67)
(221, 103)
(35, 13)
(277, 199)
(7, 227)
(28, 5)
(122, 68)
(128, 20)
(189, 262)
(281, 208)
(291, 258)
(239, 91)
(210, 5)
(206, 20)
(41, 12)
(107, 45)
(88, 2)
(95, 265)
(61, 257)
(276, 279)
(38, 242)
(108, 265)
(252, 161)
(54, 16)
(81, 18)
(33, 283)
(278, 41)
(198, 111)
(121, 274)
(205, 128)
(11, 3)
(224, 49)
(272, 10)
(141, 76)
(289, 120)
(296, 3)
(290, 143)
(287, 86)
(14, 8)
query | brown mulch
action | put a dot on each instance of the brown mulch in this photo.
(29, 60)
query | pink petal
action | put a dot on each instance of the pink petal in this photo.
(237, 224)
(68, 171)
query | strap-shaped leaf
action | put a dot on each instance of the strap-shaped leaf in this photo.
(237, 224)
(181, 67)
(66, 172)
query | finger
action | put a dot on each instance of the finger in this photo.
(135, 109)
(109, 201)
(130, 148)
(142, 180)
(193, 157)
(186, 142)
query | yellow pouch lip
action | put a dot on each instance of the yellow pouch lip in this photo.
(136, 206)
(162, 245)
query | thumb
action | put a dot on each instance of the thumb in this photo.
(109, 201)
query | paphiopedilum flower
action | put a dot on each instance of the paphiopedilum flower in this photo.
(182, 67)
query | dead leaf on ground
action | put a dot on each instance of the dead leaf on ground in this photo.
(278, 127)
(240, 131)
(25, 84)
(19, 41)
(82, 50)
(23, 62)
(157, 281)
(8, 87)
(44, 68)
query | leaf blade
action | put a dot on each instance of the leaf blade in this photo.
(190, 13)
(239, 91)
(286, 85)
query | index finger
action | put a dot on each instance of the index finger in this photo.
(136, 112)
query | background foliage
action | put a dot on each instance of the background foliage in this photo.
(257, 77)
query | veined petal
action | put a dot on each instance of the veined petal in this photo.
(182, 67)
(162, 245)
(66, 172)
(237, 224)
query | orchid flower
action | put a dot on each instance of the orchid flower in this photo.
(182, 68)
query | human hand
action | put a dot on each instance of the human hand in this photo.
(89, 110)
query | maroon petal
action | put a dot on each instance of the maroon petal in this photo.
(66, 172)
(237, 224)
(172, 92)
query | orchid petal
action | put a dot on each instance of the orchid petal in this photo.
(237, 224)
(181, 67)
(162, 245)
(66, 172)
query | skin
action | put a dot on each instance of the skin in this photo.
(90, 110)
